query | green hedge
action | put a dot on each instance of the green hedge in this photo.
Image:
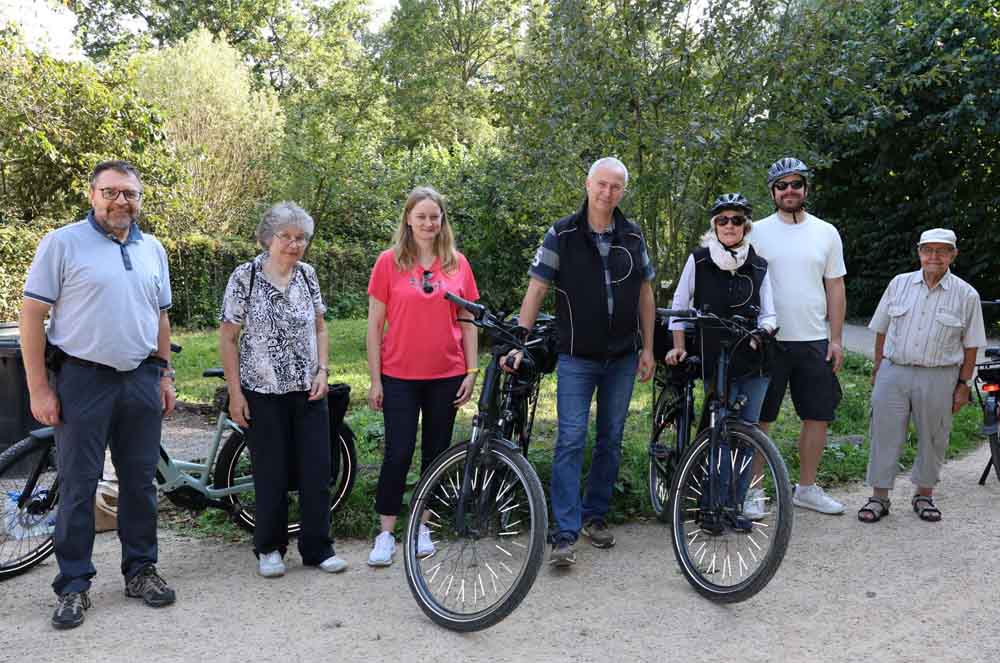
(199, 269)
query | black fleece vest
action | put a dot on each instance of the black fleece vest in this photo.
(726, 294)
(581, 297)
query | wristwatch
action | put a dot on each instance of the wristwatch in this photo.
(967, 383)
(168, 373)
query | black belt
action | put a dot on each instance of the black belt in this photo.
(151, 359)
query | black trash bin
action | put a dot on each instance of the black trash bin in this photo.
(15, 410)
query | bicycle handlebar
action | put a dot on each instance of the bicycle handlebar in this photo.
(678, 313)
(477, 310)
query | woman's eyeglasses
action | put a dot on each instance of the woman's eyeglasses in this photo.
(726, 220)
(796, 184)
(427, 285)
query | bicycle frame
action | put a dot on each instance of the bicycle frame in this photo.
(175, 474)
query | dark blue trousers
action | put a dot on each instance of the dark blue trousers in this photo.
(99, 407)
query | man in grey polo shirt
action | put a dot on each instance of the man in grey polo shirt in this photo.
(106, 288)
(927, 327)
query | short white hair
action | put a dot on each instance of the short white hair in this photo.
(608, 162)
(280, 215)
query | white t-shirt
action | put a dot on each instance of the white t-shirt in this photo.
(798, 258)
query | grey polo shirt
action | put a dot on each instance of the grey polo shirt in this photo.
(106, 295)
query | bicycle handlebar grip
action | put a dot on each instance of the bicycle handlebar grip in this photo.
(477, 310)
(677, 313)
(175, 348)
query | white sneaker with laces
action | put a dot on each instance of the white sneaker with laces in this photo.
(270, 565)
(813, 497)
(383, 550)
(754, 504)
(333, 564)
(425, 547)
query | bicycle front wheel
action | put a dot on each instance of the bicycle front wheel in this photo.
(723, 554)
(234, 467)
(480, 569)
(27, 477)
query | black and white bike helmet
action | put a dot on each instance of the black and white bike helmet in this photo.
(786, 166)
(731, 201)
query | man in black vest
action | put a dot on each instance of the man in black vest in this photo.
(596, 262)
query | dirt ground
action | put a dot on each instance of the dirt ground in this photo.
(900, 590)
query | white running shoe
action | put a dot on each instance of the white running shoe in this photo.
(270, 565)
(425, 547)
(383, 550)
(813, 497)
(754, 504)
(333, 564)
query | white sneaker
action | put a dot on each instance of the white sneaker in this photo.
(333, 564)
(754, 504)
(271, 565)
(383, 550)
(425, 547)
(813, 497)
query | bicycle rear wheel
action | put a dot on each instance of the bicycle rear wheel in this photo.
(663, 449)
(995, 451)
(723, 555)
(234, 467)
(474, 579)
(27, 469)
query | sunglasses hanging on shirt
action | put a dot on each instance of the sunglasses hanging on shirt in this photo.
(427, 285)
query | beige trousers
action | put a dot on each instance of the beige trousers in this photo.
(905, 393)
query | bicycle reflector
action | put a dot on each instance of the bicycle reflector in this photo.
(991, 387)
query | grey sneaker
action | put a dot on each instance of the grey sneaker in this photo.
(69, 612)
(150, 587)
(563, 554)
(598, 533)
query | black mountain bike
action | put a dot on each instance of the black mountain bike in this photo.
(481, 499)
(724, 555)
(29, 481)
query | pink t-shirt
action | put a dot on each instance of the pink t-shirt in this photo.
(424, 341)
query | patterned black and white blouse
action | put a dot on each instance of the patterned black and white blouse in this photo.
(278, 345)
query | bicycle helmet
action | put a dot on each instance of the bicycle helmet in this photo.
(786, 166)
(731, 201)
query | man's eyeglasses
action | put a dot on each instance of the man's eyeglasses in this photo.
(112, 194)
(427, 285)
(796, 184)
(938, 251)
(726, 220)
(302, 240)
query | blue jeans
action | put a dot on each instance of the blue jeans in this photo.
(754, 388)
(577, 379)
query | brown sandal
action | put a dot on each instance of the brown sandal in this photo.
(923, 506)
(883, 509)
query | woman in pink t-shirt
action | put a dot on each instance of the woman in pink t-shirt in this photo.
(424, 364)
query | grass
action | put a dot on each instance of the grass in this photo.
(843, 460)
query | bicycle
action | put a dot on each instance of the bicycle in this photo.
(482, 499)
(988, 381)
(724, 555)
(673, 417)
(29, 481)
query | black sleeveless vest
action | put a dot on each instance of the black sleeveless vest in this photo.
(726, 294)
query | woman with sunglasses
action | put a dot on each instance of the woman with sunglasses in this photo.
(425, 364)
(728, 277)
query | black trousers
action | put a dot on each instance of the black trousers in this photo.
(403, 401)
(288, 432)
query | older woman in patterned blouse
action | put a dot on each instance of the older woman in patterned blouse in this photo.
(273, 344)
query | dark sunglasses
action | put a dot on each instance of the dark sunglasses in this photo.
(427, 285)
(797, 184)
(726, 220)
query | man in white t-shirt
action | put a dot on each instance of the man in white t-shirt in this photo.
(806, 263)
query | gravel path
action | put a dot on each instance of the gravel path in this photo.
(900, 590)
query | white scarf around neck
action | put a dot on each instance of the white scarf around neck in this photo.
(728, 259)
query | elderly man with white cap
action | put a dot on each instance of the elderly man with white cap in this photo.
(927, 327)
